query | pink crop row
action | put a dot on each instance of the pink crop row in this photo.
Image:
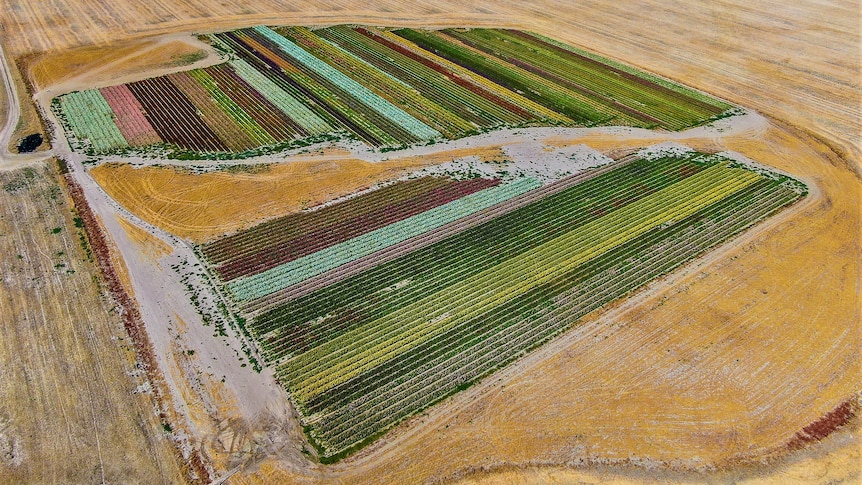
(130, 117)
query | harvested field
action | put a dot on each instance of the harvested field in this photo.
(834, 461)
(70, 412)
(203, 206)
(49, 69)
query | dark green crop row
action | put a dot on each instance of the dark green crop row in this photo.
(633, 95)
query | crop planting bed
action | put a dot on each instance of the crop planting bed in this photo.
(385, 87)
(361, 351)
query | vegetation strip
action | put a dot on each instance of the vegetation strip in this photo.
(296, 271)
(363, 353)
(313, 241)
(389, 88)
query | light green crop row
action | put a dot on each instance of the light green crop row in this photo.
(366, 96)
(91, 118)
(295, 109)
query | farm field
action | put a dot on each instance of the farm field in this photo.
(201, 206)
(385, 87)
(68, 410)
(360, 353)
(715, 367)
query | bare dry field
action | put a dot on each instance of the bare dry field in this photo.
(202, 206)
(69, 408)
(721, 363)
(102, 65)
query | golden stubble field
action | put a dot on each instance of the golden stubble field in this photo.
(722, 363)
(73, 406)
(204, 206)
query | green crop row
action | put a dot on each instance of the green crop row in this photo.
(91, 118)
(267, 282)
(479, 248)
(360, 349)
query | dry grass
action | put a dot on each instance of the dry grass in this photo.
(68, 408)
(146, 242)
(4, 107)
(203, 206)
(52, 68)
(29, 121)
(835, 461)
(98, 66)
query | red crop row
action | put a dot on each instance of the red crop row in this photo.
(475, 88)
(132, 322)
(173, 116)
(271, 118)
(288, 227)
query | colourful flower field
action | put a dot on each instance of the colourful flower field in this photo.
(372, 309)
(386, 87)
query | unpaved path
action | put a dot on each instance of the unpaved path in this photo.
(9, 160)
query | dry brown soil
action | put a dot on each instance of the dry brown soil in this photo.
(798, 62)
(4, 107)
(89, 66)
(70, 411)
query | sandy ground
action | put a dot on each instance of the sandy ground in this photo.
(73, 407)
(721, 362)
